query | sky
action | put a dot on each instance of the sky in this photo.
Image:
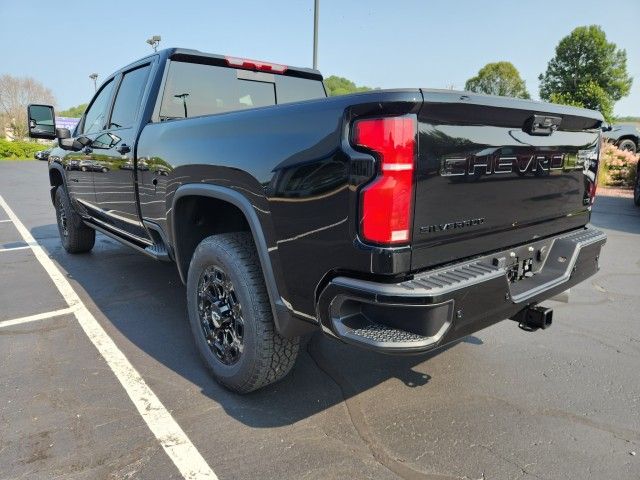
(378, 43)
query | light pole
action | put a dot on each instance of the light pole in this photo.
(316, 13)
(154, 42)
(183, 96)
(94, 77)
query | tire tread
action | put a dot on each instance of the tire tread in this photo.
(275, 355)
(80, 238)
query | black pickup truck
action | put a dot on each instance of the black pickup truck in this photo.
(397, 220)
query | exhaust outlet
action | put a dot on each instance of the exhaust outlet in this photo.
(534, 317)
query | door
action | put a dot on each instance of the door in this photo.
(78, 164)
(114, 165)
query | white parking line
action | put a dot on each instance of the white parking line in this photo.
(174, 441)
(12, 249)
(37, 316)
(4, 221)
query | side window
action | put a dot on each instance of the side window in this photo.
(129, 97)
(96, 116)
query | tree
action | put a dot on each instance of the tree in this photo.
(587, 71)
(500, 78)
(74, 112)
(341, 86)
(16, 93)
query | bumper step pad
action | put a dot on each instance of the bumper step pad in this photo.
(385, 334)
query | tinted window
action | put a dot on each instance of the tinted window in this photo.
(96, 116)
(294, 89)
(129, 96)
(192, 90)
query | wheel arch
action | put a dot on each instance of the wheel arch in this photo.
(633, 138)
(57, 178)
(183, 247)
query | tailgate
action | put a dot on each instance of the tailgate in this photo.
(495, 172)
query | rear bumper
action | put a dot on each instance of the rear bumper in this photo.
(440, 306)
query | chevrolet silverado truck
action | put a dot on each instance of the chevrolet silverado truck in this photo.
(395, 220)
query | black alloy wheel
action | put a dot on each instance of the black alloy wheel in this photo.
(220, 315)
(62, 218)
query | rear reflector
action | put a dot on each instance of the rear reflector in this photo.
(255, 65)
(386, 202)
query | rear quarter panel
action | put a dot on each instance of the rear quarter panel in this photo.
(290, 162)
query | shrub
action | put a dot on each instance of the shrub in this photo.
(17, 150)
(617, 167)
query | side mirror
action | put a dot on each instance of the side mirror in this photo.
(84, 141)
(42, 121)
(73, 144)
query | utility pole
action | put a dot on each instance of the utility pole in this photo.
(94, 77)
(154, 42)
(316, 12)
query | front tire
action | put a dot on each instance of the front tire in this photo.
(75, 236)
(628, 144)
(231, 318)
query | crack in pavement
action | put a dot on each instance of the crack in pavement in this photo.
(359, 421)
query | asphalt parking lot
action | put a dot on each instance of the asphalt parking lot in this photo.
(559, 403)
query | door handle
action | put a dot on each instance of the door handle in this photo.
(123, 149)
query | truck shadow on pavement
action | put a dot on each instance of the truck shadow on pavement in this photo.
(145, 301)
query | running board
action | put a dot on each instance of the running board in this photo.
(158, 252)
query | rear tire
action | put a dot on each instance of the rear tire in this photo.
(75, 236)
(231, 318)
(628, 144)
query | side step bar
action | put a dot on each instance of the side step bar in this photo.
(158, 252)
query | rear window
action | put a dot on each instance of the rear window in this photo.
(192, 90)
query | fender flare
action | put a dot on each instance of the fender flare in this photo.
(286, 324)
(59, 168)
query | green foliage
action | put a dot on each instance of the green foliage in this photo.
(587, 71)
(73, 112)
(341, 86)
(627, 120)
(19, 150)
(500, 78)
(589, 95)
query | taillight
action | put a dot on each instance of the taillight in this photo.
(255, 65)
(386, 202)
(593, 186)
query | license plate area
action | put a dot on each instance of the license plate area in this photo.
(554, 262)
(520, 269)
(524, 262)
